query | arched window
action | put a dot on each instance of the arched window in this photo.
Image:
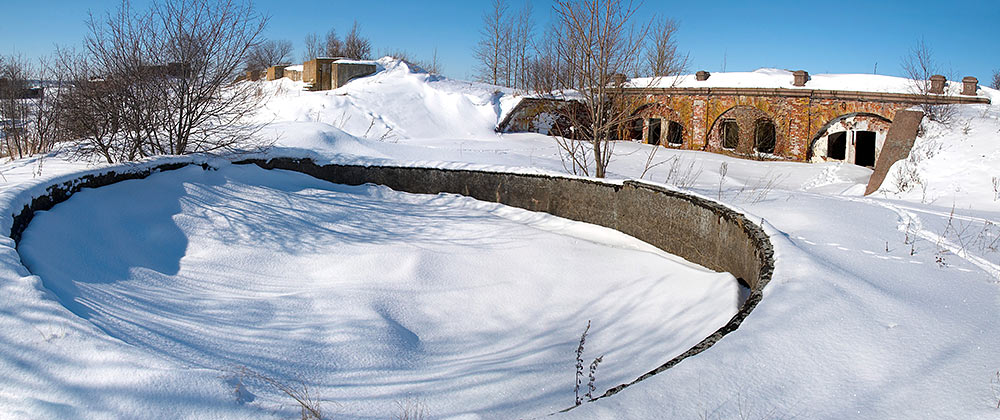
(730, 134)
(675, 134)
(764, 136)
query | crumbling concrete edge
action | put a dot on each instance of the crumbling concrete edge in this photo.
(618, 206)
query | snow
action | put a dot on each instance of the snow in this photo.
(777, 78)
(955, 165)
(370, 295)
(880, 307)
(348, 61)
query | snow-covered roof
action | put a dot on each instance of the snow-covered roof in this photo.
(777, 78)
(294, 68)
(348, 61)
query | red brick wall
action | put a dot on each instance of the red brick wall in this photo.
(796, 119)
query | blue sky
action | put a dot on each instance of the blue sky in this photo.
(820, 37)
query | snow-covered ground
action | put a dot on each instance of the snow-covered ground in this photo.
(147, 295)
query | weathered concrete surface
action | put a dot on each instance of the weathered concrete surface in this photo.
(345, 72)
(898, 143)
(697, 229)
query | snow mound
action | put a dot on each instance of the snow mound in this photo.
(954, 164)
(397, 102)
(313, 138)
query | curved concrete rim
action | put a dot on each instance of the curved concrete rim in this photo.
(698, 229)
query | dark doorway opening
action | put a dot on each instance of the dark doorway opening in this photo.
(836, 146)
(730, 134)
(864, 148)
(675, 133)
(634, 129)
(764, 136)
(654, 131)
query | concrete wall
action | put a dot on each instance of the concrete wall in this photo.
(328, 73)
(276, 72)
(898, 143)
(347, 71)
(697, 229)
(317, 73)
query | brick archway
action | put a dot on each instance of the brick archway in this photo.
(745, 120)
(660, 124)
(843, 129)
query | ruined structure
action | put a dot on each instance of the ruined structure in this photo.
(323, 73)
(792, 122)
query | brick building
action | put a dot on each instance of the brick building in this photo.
(792, 117)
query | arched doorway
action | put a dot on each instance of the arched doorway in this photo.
(852, 138)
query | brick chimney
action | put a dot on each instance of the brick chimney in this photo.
(969, 85)
(937, 84)
(618, 79)
(702, 75)
(801, 77)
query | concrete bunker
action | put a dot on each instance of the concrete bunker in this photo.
(694, 228)
(325, 73)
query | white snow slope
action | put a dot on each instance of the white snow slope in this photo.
(146, 297)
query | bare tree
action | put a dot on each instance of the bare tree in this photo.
(46, 129)
(521, 36)
(355, 46)
(662, 58)
(544, 67)
(334, 47)
(919, 66)
(493, 44)
(313, 47)
(165, 78)
(269, 53)
(598, 44)
(95, 110)
(15, 108)
(996, 79)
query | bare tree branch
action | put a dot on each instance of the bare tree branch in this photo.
(493, 44)
(269, 53)
(597, 43)
(313, 47)
(163, 80)
(662, 58)
(919, 66)
(355, 46)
